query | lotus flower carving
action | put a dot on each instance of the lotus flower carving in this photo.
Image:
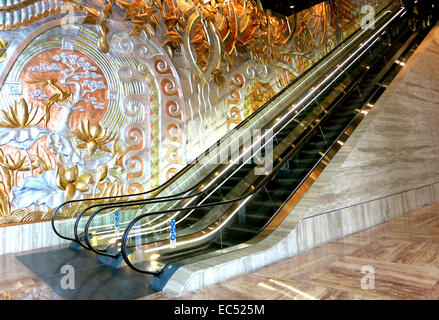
(70, 181)
(94, 137)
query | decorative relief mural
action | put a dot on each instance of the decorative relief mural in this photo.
(112, 97)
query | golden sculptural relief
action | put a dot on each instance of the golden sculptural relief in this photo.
(3, 45)
(59, 96)
(21, 116)
(94, 137)
(94, 120)
(263, 36)
(54, 95)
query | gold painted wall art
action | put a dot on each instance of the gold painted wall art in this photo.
(112, 97)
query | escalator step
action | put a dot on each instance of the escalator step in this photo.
(243, 228)
(347, 113)
(288, 173)
(283, 183)
(330, 136)
(306, 153)
(190, 219)
(300, 162)
(236, 237)
(338, 120)
(252, 217)
(226, 190)
(215, 198)
(266, 204)
(233, 181)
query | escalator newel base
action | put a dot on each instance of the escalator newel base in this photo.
(112, 262)
(160, 281)
(74, 246)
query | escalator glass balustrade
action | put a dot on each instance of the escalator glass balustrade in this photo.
(233, 194)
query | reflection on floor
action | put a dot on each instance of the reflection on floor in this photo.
(404, 253)
(77, 275)
(70, 274)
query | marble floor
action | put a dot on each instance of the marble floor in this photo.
(403, 252)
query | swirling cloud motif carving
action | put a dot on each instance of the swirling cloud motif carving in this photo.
(173, 117)
(212, 32)
(235, 114)
(137, 133)
(169, 96)
(76, 147)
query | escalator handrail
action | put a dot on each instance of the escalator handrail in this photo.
(160, 188)
(147, 201)
(170, 197)
(111, 206)
(123, 251)
(114, 203)
(257, 188)
(124, 238)
(127, 231)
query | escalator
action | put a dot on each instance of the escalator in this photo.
(230, 198)
(195, 174)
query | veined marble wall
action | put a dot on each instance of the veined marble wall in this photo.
(388, 167)
(29, 236)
